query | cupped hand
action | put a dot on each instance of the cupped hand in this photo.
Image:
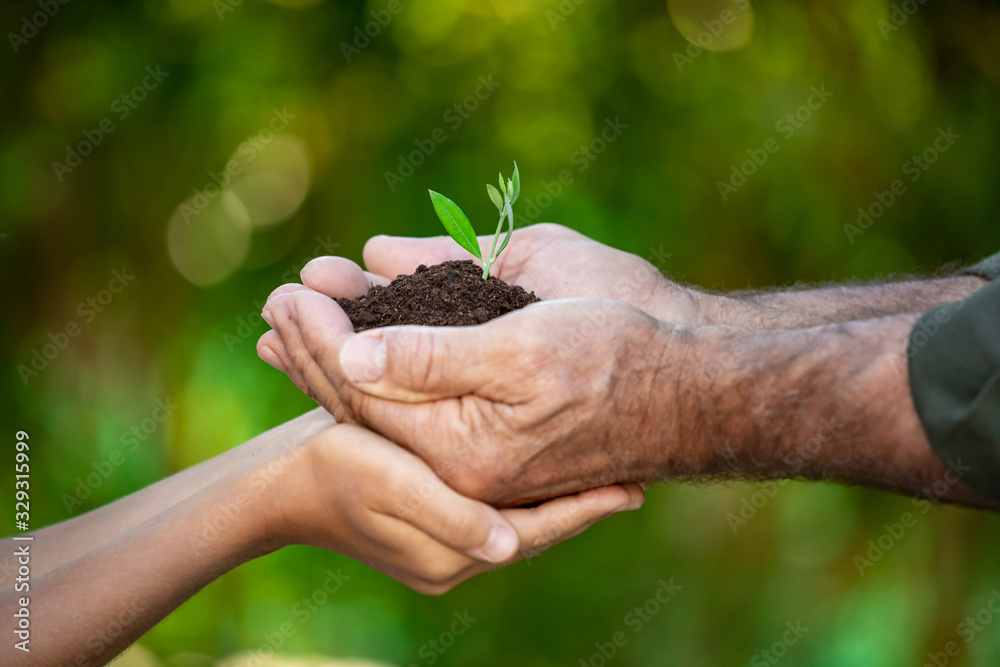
(553, 261)
(550, 260)
(547, 400)
(351, 491)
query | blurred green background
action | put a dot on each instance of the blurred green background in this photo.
(142, 200)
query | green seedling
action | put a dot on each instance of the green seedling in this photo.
(460, 229)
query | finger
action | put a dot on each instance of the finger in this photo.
(557, 520)
(465, 525)
(339, 277)
(395, 255)
(313, 363)
(287, 288)
(637, 495)
(376, 280)
(268, 347)
(413, 557)
(282, 314)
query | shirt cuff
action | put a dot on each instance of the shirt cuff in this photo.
(988, 269)
(954, 365)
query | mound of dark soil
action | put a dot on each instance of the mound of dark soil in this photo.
(449, 294)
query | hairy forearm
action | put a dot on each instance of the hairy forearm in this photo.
(90, 608)
(64, 541)
(794, 308)
(830, 402)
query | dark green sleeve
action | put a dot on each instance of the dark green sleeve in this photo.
(954, 362)
(988, 269)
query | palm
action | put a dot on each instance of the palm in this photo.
(557, 263)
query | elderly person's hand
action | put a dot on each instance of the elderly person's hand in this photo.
(541, 402)
(553, 261)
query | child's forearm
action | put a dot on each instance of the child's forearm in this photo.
(89, 609)
(64, 541)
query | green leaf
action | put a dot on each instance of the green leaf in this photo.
(503, 188)
(455, 223)
(496, 197)
(517, 185)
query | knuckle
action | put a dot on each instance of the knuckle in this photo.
(358, 405)
(300, 357)
(461, 528)
(438, 574)
(426, 588)
(547, 229)
(417, 349)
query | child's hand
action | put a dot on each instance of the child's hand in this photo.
(351, 491)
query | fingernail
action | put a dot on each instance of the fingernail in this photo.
(363, 358)
(310, 268)
(501, 545)
(266, 314)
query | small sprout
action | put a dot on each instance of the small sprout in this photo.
(459, 228)
(495, 196)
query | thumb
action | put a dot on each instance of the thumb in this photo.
(391, 256)
(415, 363)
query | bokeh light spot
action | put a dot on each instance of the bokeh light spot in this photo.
(205, 244)
(272, 186)
(714, 25)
